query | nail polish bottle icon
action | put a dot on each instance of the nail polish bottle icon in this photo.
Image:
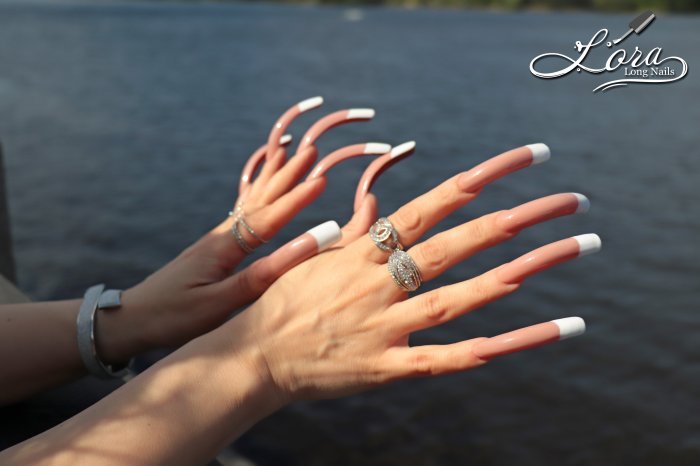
(637, 25)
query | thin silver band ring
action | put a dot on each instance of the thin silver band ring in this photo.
(239, 238)
(239, 219)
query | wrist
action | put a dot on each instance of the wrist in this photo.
(224, 373)
(120, 334)
(238, 345)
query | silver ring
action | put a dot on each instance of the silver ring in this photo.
(242, 221)
(384, 235)
(404, 270)
(239, 237)
(239, 219)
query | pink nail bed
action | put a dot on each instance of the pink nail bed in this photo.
(501, 165)
(286, 119)
(530, 337)
(541, 210)
(333, 120)
(379, 166)
(548, 256)
(345, 153)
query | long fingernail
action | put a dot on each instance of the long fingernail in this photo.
(501, 165)
(548, 256)
(333, 120)
(379, 166)
(286, 119)
(250, 167)
(541, 210)
(297, 251)
(530, 337)
(285, 139)
(302, 247)
(347, 152)
(310, 104)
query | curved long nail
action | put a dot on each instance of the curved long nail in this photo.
(548, 256)
(530, 337)
(379, 166)
(501, 165)
(541, 210)
(286, 119)
(251, 166)
(333, 120)
(347, 152)
(299, 249)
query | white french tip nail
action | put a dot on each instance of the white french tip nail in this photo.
(326, 234)
(540, 152)
(360, 113)
(310, 104)
(285, 139)
(584, 204)
(377, 148)
(401, 149)
(588, 244)
(570, 327)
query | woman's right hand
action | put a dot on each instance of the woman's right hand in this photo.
(338, 324)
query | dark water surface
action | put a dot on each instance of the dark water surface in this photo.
(125, 126)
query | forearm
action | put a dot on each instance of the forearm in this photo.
(39, 350)
(38, 347)
(182, 411)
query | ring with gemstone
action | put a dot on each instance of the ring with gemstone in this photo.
(404, 270)
(384, 235)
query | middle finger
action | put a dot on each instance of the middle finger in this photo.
(424, 212)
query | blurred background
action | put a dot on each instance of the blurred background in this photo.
(125, 126)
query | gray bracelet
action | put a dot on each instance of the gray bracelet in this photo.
(96, 298)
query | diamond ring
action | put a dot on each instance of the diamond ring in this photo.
(404, 270)
(384, 235)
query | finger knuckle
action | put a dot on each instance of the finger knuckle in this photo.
(407, 219)
(260, 222)
(434, 307)
(481, 231)
(445, 195)
(263, 279)
(433, 255)
(484, 289)
(481, 288)
(421, 364)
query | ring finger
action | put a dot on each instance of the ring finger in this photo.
(445, 249)
(445, 304)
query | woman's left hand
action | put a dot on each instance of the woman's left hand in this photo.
(338, 323)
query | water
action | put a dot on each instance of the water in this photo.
(125, 126)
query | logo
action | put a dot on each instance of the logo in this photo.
(636, 67)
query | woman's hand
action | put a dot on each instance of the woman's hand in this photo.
(179, 302)
(338, 324)
(334, 325)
